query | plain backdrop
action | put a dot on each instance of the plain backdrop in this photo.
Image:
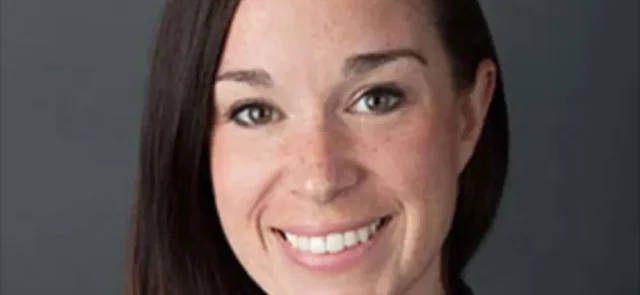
(73, 75)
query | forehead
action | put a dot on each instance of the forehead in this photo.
(282, 31)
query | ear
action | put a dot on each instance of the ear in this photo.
(472, 110)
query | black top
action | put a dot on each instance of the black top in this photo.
(461, 288)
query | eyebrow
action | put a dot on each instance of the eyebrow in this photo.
(363, 63)
(355, 65)
(253, 77)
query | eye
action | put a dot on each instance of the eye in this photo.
(378, 100)
(254, 114)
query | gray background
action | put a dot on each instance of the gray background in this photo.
(73, 75)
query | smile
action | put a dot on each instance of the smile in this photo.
(333, 242)
(331, 250)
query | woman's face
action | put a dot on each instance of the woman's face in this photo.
(337, 144)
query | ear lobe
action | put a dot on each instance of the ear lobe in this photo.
(473, 110)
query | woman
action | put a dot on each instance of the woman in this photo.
(318, 147)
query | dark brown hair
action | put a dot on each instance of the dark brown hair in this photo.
(177, 244)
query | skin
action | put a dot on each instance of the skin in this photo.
(318, 155)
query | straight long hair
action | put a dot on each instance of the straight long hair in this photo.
(177, 245)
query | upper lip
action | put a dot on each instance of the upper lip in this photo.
(325, 229)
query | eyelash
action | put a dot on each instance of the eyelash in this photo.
(248, 106)
(389, 90)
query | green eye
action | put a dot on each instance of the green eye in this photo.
(378, 100)
(255, 114)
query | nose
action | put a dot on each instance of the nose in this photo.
(320, 168)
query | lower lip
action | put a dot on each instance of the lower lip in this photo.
(332, 262)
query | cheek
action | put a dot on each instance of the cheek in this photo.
(418, 165)
(238, 185)
(237, 180)
(418, 156)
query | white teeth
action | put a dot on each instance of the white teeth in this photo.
(334, 242)
(363, 234)
(303, 243)
(372, 228)
(350, 238)
(292, 239)
(317, 245)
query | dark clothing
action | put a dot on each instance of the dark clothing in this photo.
(460, 288)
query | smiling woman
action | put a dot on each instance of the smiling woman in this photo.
(318, 147)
